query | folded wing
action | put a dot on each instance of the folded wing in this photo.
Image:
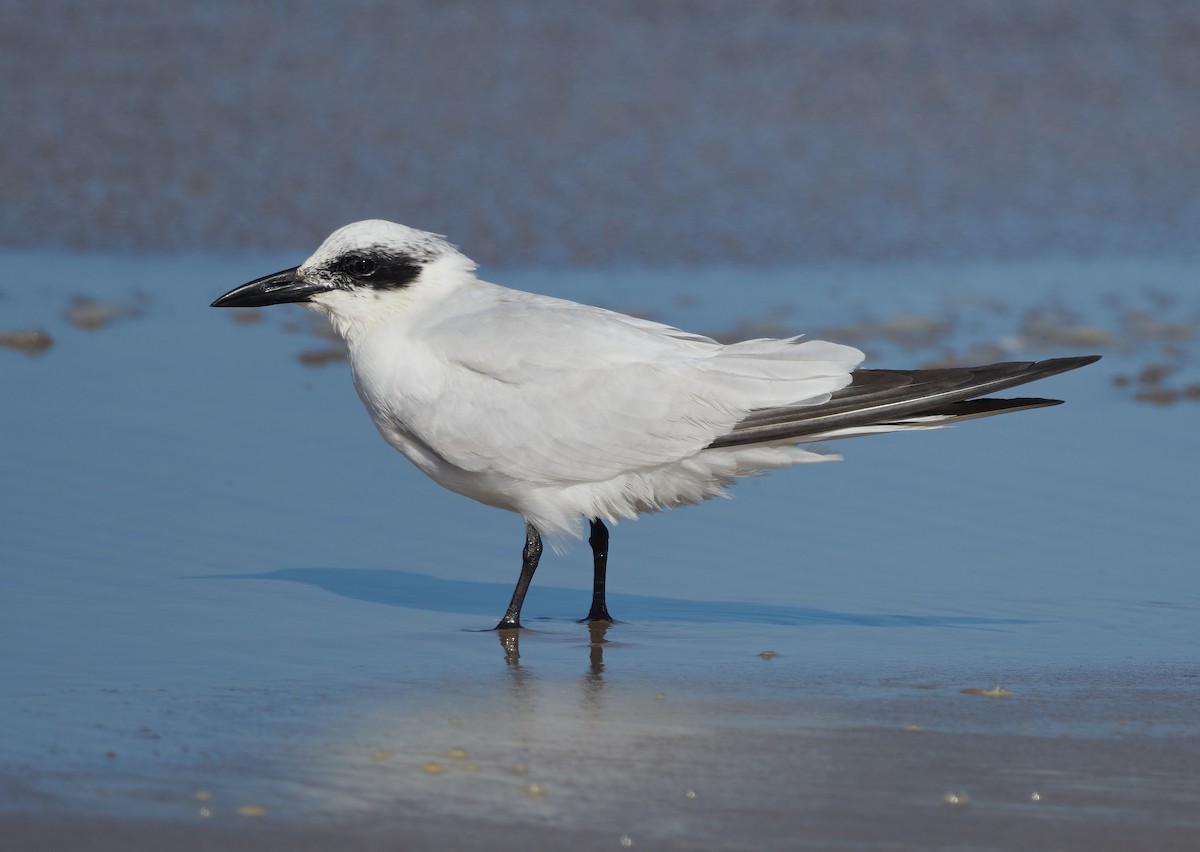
(877, 399)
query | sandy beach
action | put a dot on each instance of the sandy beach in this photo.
(234, 619)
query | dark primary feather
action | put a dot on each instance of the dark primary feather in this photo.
(886, 396)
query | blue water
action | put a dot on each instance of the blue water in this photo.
(211, 560)
(220, 589)
(607, 133)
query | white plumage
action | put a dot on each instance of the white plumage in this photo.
(560, 411)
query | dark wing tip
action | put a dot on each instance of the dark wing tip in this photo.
(1061, 365)
(887, 396)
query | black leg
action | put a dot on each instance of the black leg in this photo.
(529, 563)
(599, 542)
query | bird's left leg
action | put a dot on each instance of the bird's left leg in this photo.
(529, 563)
(599, 542)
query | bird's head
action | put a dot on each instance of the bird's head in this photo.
(361, 274)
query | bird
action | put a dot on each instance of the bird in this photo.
(563, 412)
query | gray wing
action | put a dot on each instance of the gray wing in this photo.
(880, 397)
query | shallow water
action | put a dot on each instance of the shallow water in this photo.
(223, 591)
(603, 133)
(232, 618)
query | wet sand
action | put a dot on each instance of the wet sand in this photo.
(233, 619)
(735, 752)
(901, 764)
(218, 638)
(608, 134)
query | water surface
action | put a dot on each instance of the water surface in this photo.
(224, 592)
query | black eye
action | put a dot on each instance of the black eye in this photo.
(360, 267)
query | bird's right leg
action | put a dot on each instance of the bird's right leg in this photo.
(529, 563)
(599, 542)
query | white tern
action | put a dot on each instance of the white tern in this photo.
(561, 412)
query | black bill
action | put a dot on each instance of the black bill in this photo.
(275, 289)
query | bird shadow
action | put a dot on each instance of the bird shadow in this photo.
(463, 597)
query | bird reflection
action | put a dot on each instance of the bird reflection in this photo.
(510, 641)
(597, 631)
(593, 679)
(521, 680)
(592, 685)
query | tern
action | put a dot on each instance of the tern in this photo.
(564, 412)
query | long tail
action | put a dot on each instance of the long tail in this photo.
(885, 400)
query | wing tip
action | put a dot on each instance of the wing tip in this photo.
(1073, 362)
